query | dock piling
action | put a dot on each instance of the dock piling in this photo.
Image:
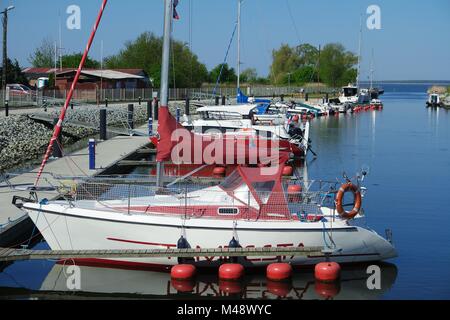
(92, 154)
(6, 108)
(224, 100)
(103, 133)
(150, 127)
(156, 106)
(131, 116)
(149, 110)
(217, 100)
(187, 107)
(178, 114)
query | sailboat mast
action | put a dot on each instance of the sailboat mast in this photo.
(371, 71)
(168, 16)
(60, 45)
(359, 54)
(239, 46)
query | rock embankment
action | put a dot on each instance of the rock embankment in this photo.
(22, 139)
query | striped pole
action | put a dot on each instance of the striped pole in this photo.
(58, 126)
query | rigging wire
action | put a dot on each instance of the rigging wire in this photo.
(293, 21)
(225, 60)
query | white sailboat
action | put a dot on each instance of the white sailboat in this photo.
(254, 206)
(257, 210)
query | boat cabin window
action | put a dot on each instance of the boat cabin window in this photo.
(238, 189)
(350, 91)
(263, 190)
(228, 211)
(232, 182)
(219, 115)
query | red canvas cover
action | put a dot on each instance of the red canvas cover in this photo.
(206, 149)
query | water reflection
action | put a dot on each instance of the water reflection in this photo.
(150, 284)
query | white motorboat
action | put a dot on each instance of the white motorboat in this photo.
(222, 119)
(258, 118)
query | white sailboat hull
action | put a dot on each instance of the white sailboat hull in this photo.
(66, 228)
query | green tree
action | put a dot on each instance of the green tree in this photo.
(145, 52)
(349, 76)
(285, 60)
(249, 75)
(336, 65)
(304, 75)
(44, 55)
(51, 80)
(262, 80)
(228, 74)
(73, 61)
(308, 55)
(14, 73)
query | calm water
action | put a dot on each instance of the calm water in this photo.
(407, 148)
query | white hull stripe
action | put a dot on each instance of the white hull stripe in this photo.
(346, 229)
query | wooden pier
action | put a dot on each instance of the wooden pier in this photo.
(23, 254)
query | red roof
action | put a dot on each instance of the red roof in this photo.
(52, 70)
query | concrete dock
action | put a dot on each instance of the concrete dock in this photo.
(108, 153)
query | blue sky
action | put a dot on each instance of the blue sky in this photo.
(413, 44)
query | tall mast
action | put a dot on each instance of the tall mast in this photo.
(239, 46)
(168, 16)
(101, 68)
(60, 44)
(371, 71)
(359, 54)
(62, 115)
(56, 68)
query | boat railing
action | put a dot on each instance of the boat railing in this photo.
(197, 201)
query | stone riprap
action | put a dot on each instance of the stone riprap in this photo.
(22, 139)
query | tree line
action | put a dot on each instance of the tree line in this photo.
(333, 65)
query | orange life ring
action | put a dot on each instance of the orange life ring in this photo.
(348, 187)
